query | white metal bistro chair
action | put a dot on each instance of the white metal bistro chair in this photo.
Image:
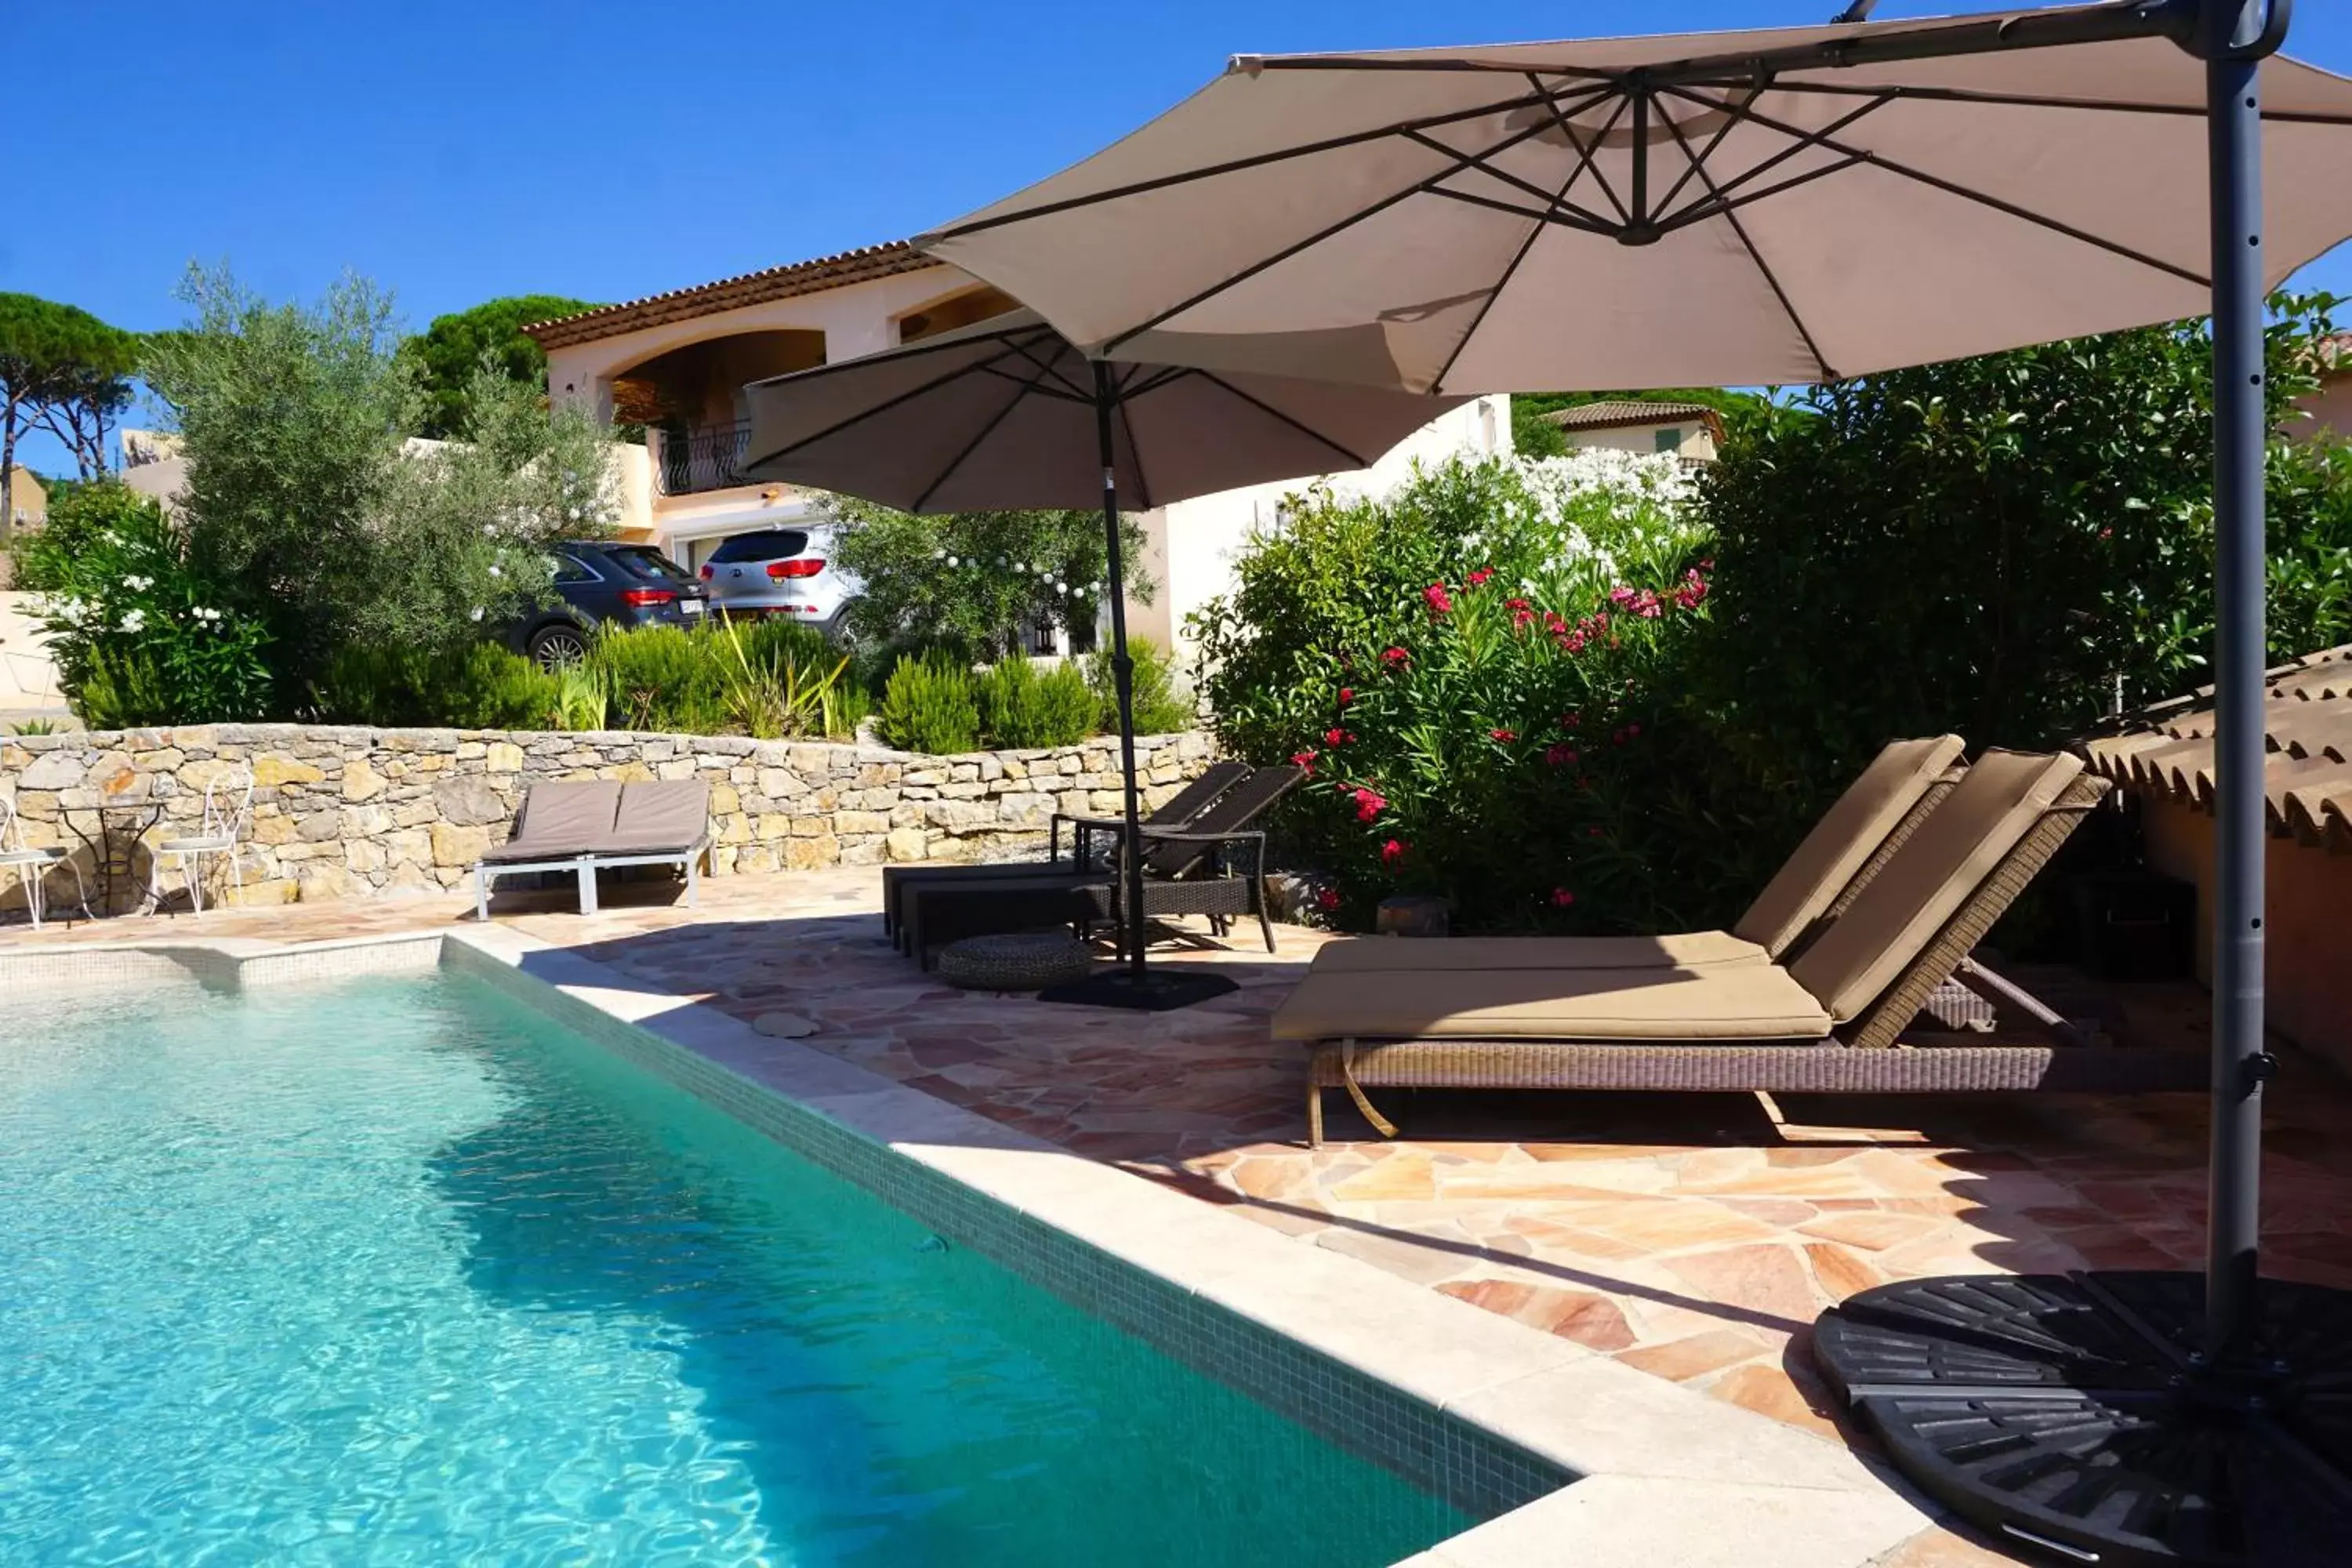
(228, 801)
(31, 865)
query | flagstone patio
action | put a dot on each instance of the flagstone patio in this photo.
(1695, 1237)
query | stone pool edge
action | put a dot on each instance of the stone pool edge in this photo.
(1469, 1403)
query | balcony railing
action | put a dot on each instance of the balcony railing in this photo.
(699, 458)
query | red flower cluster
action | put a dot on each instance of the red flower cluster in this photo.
(1335, 736)
(1506, 735)
(1347, 695)
(1395, 658)
(1369, 804)
(1478, 579)
(1392, 852)
(1692, 591)
(1561, 898)
(1326, 900)
(1439, 600)
(1305, 759)
(1521, 611)
(1559, 756)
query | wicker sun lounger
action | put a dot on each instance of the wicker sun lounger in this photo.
(1833, 1020)
(1179, 809)
(1856, 837)
(583, 825)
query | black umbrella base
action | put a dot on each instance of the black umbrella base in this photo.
(1153, 991)
(2075, 1413)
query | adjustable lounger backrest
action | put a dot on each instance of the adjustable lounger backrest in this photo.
(1926, 882)
(1238, 810)
(1197, 797)
(567, 816)
(1873, 808)
(673, 814)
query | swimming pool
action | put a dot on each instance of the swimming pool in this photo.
(399, 1270)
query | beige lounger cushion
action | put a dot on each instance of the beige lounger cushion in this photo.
(559, 818)
(1379, 954)
(673, 814)
(1846, 837)
(1739, 1002)
(1920, 887)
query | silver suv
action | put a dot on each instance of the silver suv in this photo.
(783, 572)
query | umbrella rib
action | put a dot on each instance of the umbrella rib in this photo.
(970, 447)
(1711, 206)
(1360, 214)
(2032, 100)
(1264, 407)
(1135, 452)
(1811, 139)
(1584, 153)
(1756, 256)
(1566, 220)
(1231, 166)
(1032, 386)
(1937, 182)
(1529, 186)
(1534, 232)
(882, 407)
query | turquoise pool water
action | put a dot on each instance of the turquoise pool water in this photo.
(401, 1272)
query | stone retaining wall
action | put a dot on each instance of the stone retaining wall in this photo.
(340, 813)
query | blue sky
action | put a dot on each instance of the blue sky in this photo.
(460, 151)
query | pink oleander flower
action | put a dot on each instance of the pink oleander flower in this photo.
(1478, 579)
(1505, 736)
(1369, 804)
(1571, 721)
(1559, 756)
(1326, 900)
(1646, 606)
(1392, 852)
(1620, 594)
(1439, 600)
(1347, 695)
(1561, 898)
(1305, 759)
(1335, 736)
(1395, 658)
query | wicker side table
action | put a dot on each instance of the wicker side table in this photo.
(1016, 960)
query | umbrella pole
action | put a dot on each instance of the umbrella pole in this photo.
(2241, 1065)
(1123, 679)
(1131, 984)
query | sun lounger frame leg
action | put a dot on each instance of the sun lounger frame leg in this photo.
(692, 884)
(587, 872)
(482, 894)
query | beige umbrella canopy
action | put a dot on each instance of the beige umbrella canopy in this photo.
(1658, 211)
(1001, 414)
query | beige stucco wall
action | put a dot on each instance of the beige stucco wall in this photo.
(2330, 408)
(28, 680)
(1697, 441)
(2308, 936)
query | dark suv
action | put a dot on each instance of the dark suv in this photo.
(627, 585)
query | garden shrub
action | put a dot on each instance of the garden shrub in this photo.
(1480, 673)
(1020, 708)
(138, 634)
(1161, 706)
(778, 679)
(664, 679)
(930, 703)
(2008, 548)
(480, 686)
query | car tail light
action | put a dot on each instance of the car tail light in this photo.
(644, 599)
(806, 567)
(706, 572)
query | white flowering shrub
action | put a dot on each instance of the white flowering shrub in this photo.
(139, 635)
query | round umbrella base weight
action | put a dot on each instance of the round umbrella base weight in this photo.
(1152, 991)
(2075, 1415)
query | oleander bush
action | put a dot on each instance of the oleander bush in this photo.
(930, 703)
(1021, 707)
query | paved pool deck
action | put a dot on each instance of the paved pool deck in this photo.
(1691, 1238)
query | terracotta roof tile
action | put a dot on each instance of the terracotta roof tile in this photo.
(1619, 413)
(733, 293)
(2168, 750)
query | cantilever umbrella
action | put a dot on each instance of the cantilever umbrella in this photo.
(1793, 205)
(1005, 415)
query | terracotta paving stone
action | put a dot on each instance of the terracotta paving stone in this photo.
(1694, 1238)
(1941, 1548)
(1680, 1360)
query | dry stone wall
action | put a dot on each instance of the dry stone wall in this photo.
(345, 812)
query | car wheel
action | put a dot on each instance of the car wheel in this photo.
(558, 646)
